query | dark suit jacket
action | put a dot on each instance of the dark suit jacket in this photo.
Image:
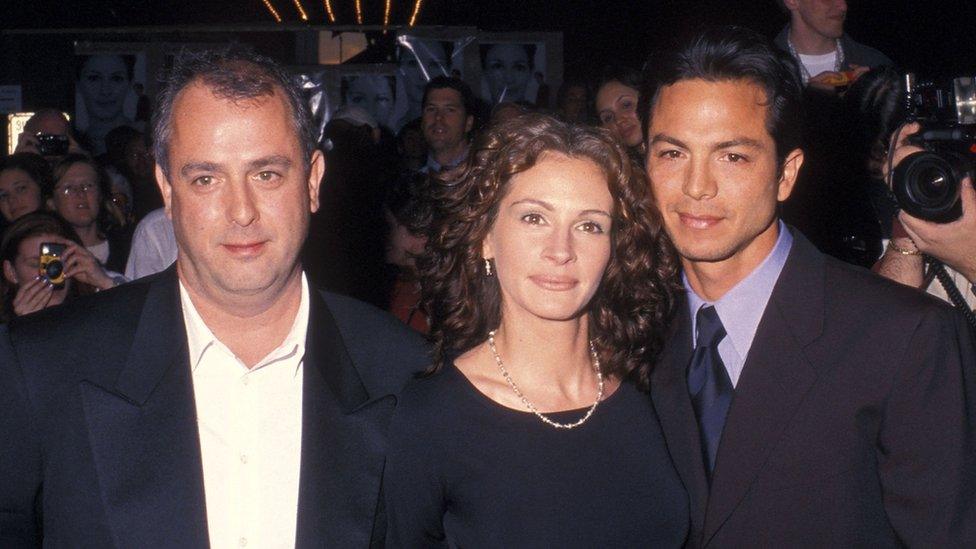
(100, 446)
(852, 423)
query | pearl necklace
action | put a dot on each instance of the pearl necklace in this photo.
(525, 401)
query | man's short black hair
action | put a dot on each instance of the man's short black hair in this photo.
(732, 53)
(236, 74)
(442, 82)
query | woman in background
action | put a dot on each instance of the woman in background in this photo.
(23, 176)
(22, 288)
(82, 196)
(616, 107)
(548, 279)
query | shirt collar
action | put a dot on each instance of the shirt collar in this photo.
(433, 166)
(200, 339)
(742, 307)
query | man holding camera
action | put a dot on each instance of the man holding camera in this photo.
(221, 402)
(48, 134)
(953, 243)
(805, 403)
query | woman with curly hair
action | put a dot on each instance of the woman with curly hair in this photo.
(549, 282)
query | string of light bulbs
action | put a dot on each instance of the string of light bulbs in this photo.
(301, 10)
(274, 12)
(328, 10)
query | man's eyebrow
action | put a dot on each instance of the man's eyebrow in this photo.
(739, 142)
(192, 167)
(662, 138)
(273, 160)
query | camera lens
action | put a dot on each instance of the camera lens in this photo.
(53, 270)
(926, 185)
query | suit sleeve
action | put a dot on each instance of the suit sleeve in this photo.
(414, 490)
(926, 451)
(20, 462)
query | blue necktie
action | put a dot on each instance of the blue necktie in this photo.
(709, 384)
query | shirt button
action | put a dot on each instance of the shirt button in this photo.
(244, 461)
(242, 542)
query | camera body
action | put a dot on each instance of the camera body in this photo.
(50, 265)
(927, 183)
(49, 144)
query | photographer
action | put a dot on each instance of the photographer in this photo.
(48, 134)
(953, 243)
(22, 289)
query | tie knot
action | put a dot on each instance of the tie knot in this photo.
(710, 329)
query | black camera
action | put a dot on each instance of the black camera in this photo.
(49, 144)
(927, 183)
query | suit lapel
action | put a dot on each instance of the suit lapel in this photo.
(775, 379)
(669, 390)
(143, 432)
(343, 443)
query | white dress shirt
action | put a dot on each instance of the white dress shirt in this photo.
(153, 246)
(250, 423)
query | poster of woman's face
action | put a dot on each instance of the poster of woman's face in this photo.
(372, 92)
(104, 94)
(418, 61)
(512, 71)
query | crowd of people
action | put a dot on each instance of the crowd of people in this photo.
(645, 316)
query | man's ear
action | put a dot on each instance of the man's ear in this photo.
(468, 124)
(315, 174)
(9, 273)
(791, 169)
(165, 189)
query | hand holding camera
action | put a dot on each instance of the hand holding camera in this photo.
(33, 296)
(953, 242)
(47, 144)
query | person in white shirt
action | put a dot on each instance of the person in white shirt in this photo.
(153, 246)
(221, 402)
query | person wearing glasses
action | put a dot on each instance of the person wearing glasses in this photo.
(81, 196)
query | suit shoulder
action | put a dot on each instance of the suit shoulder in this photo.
(856, 285)
(385, 351)
(112, 311)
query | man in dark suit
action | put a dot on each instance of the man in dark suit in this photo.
(221, 402)
(805, 402)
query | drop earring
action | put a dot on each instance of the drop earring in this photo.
(487, 267)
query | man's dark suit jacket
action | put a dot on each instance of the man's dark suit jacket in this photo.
(99, 444)
(852, 423)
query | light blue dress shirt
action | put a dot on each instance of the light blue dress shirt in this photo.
(742, 307)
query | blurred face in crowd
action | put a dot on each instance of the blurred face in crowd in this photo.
(551, 239)
(104, 84)
(823, 17)
(76, 196)
(445, 122)
(372, 93)
(616, 106)
(26, 265)
(402, 246)
(47, 123)
(507, 68)
(239, 193)
(139, 160)
(425, 60)
(19, 194)
(714, 172)
(574, 104)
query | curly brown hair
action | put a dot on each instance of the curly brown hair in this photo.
(630, 311)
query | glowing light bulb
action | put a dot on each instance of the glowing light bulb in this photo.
(359, 12)
(386, 14)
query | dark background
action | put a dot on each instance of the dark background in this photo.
(933, 37)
